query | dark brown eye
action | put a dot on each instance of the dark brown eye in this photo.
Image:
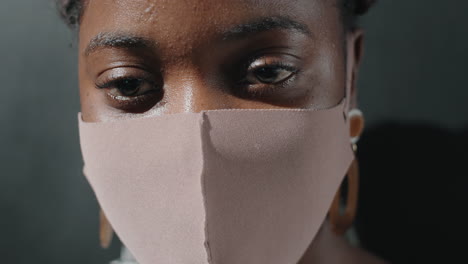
(269, 75)
(129, 87)
(269, 71)
(131, 94)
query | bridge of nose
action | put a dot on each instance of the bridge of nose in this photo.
(190, 91)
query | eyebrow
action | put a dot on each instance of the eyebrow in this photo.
(117, 40)
(265, 24)
(125, 40)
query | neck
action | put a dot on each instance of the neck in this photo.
(327, 247)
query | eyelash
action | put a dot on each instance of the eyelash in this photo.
(244, 87)
(279, 65)
(112, 82)
(131, 103)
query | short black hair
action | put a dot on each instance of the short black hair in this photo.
(72, 10)
(351, 10)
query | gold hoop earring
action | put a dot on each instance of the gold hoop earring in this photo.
(105, 230)
(341, 222)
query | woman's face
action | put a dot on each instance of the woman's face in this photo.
(154, 57)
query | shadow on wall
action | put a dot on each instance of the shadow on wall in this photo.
(414, 64)
(413, 193)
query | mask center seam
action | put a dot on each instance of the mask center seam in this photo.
(203, 134)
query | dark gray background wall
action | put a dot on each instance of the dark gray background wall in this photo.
(415, 66)
(414, 70)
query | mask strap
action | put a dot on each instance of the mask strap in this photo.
(347, 102)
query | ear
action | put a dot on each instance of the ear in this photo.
(354, 54)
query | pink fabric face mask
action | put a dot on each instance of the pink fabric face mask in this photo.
(219, 186)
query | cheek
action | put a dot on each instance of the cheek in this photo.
(89, 100)
(325, 75)
(331, 60)
(93, 105)
(333, 71)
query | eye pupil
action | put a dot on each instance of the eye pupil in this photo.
(268, 74)
(271, 74)
(129, 87)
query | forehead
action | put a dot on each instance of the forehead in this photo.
(187, 23)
